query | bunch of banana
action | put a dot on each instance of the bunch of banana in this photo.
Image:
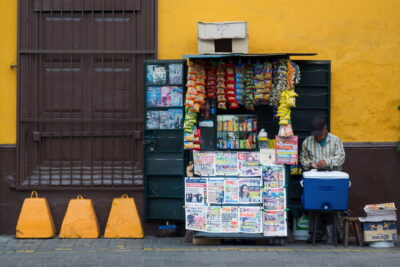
(286, 102)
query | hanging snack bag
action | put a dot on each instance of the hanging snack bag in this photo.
(221, 86)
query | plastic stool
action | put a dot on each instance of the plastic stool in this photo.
(356, 225)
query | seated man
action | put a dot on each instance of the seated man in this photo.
(322, 150)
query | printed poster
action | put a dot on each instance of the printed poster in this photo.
(176, 96)
(275, 223)
(250, 190)
(230, 219)
(267, 156)
(215, 190)
(274, 198)
(152, 120)
(153, 97)
(213, 219)
(249, 163)
(156, 74)
(231, 190)
(195, 190)
(204, 163)
(226, 164)
(175, 72)
(196, 218)
(286, 150)
(250, 219)
(164, 119)
(273, 176)
(175, 118)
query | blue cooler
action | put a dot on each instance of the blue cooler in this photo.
(325, 190)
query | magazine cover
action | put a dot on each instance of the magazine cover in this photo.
(175, 72)
(176, 96)
(250, 190)
(214, 219)
(267, 156)
(163, 119)
(274, 198)
(165, 96)
(275, 223)
(204, 163)
(230, 219)
(231, 194)
(226, 163)
(196, 218)
(156, 74)
(249, 163)
(153, 96)
(195, 190)
(152, 120)
(273, 175)
(286, 150)
(250, 219)
(215, 190)
(175, 118)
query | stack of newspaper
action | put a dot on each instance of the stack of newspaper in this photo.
(379, 212)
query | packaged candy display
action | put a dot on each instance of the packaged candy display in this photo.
(236, 132)
(221, 86)
(239, 75)
(211, 80)
(249, 87)
(230, 87)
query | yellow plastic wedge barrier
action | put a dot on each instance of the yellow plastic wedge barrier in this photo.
(124, 220)
(80, 220)
(35, 220)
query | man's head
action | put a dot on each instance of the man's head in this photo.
(319, 129)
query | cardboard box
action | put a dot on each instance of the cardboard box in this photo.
(380, 231)
(234, 32)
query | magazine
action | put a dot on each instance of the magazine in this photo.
(273, 176)
(215, 190)
(165, 100)
(164, 119)
(230, 219)
(175, 118)
(286, 150)
(195, 190)
(274, 198)
(175, 72)
(250, 219)
(204, 163)
(249, 190)
(226, 164)
(152, 120)
(176, 96)
(156, 74)
(196, 218)
(275, 223)
(214, 219)
(249, 163)
(153, 96)
(267, 156)
(231, 188)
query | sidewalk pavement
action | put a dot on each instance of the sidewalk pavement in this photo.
(164, 252)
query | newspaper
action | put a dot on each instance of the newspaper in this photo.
(213, 219)
(267, 156)
(195, 189)
(231, 188)
(215, 190)
(204, 163)
(250, 190)
(249, 163)
(196, 218)
(275, 223)
(230, 219)
(274, 198)
(273, 176)
(250, 219)
(286, 150)
(226, 164)
(379, 212)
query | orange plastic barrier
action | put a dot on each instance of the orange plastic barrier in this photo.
(124, 220)
(35, 220)
(80, 220)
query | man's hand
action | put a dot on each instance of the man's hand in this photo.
(314, 165)
(321, 164)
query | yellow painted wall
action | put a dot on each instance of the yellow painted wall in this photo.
(360, 37)
(8, 76)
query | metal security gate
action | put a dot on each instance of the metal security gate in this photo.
(81, 97)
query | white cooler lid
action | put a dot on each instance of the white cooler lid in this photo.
(321, 175)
